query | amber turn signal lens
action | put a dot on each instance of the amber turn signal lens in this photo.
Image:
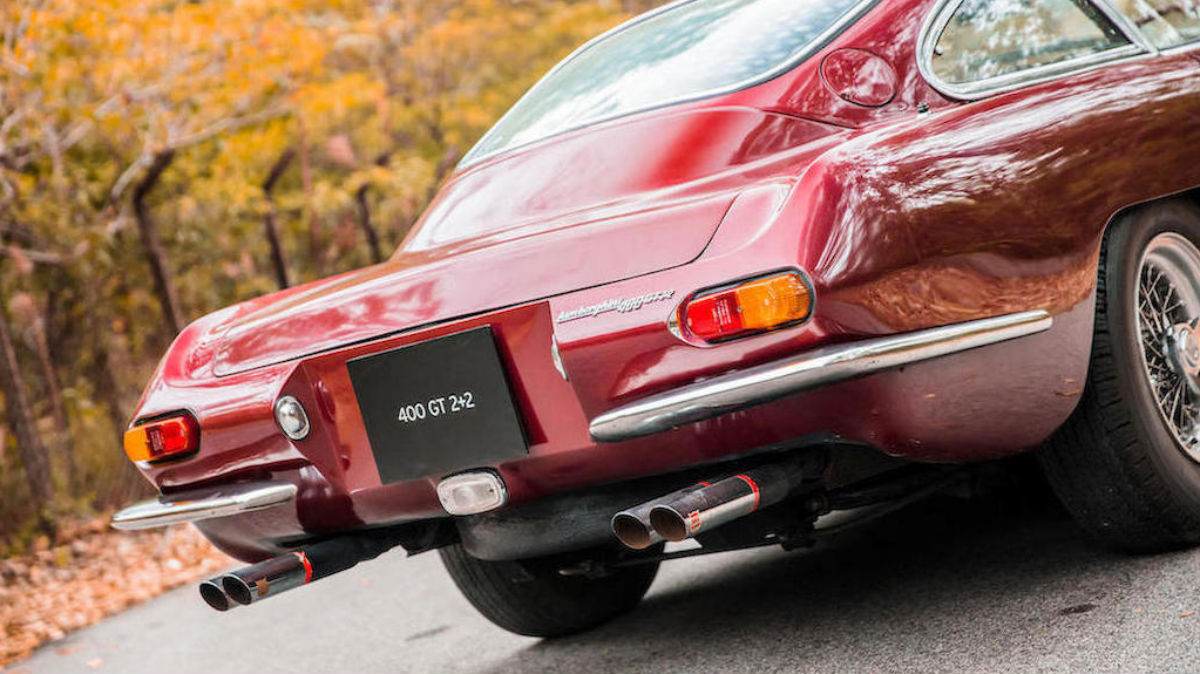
(163, 438)
(749, 307)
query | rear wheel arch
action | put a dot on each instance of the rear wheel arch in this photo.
(1114, 463)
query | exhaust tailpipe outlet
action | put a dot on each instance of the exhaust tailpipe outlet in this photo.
(214, 595)
(632, 526)
(296, 568)
(707, 506)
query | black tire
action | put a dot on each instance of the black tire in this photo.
(1116, 464)
(545, 604)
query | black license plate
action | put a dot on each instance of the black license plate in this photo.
(437, 406)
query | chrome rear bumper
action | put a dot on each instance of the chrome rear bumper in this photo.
(204, 504)
(771, 381)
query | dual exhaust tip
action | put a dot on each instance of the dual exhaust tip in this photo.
(652, 522)
(293, 569)
(257, 581)
(703, 506)
(213, 592)
(639, 533)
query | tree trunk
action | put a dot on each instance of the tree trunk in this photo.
(273, 239)
(20, 419)
(444, 167)
(155, 255)
(108, 390)
(364, 216)
(40, 345)
(364, 222)
(316, 247)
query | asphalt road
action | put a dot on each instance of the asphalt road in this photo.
(945, 586)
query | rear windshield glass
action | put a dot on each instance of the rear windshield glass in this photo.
(688, 50)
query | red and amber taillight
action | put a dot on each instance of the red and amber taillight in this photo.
(748, 307)
(163, 438)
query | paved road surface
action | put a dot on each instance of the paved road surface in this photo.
(945, 586)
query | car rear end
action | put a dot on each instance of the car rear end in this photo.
(676, 313)
(366, 429)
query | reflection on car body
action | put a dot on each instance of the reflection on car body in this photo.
(727, 268)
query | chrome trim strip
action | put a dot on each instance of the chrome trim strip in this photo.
(805, 371)
(846, 20)
(1191, 45)
(940, 15)
(204, 504)
(1127, 25)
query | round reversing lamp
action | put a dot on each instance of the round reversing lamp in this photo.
(292, 418)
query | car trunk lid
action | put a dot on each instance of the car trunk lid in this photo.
(593, 207)
(425, 287)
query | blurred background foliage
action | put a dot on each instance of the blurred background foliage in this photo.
(160, 159)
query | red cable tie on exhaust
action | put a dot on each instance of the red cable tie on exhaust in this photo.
(307, 567)
(753, 488)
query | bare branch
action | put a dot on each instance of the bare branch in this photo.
(128, 175)
(146, 159)
(14, 66)
(39, 256)
(276, 172)
(76, 133)
(227, 125)
(53, 145)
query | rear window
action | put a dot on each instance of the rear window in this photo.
(687, 50)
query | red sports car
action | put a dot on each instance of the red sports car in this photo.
(729, 267)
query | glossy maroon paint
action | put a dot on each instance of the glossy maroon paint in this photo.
(860, 77)
(902, 219)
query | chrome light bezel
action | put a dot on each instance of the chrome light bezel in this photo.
(305, 428)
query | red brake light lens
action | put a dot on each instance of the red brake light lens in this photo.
(748, 307)
(713, 316)
(163, 438)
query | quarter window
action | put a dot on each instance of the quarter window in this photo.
(1166, 23)
(985, 39)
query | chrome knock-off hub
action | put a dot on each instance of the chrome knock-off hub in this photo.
(1182, 345)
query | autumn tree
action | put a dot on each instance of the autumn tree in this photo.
(161, 159)
(20, 419)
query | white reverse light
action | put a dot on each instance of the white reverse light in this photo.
(471, 493)
(292, 418)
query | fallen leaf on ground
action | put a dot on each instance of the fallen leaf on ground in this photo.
(93, 573)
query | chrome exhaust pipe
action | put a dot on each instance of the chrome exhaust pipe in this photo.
(214, 595)
(632, 526)
(267, 578)
(708, 506)
(299, 567)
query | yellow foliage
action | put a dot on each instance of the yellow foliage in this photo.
(371, 101)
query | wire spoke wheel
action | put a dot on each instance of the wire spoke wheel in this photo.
(1127, 463)
(1168, 314)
